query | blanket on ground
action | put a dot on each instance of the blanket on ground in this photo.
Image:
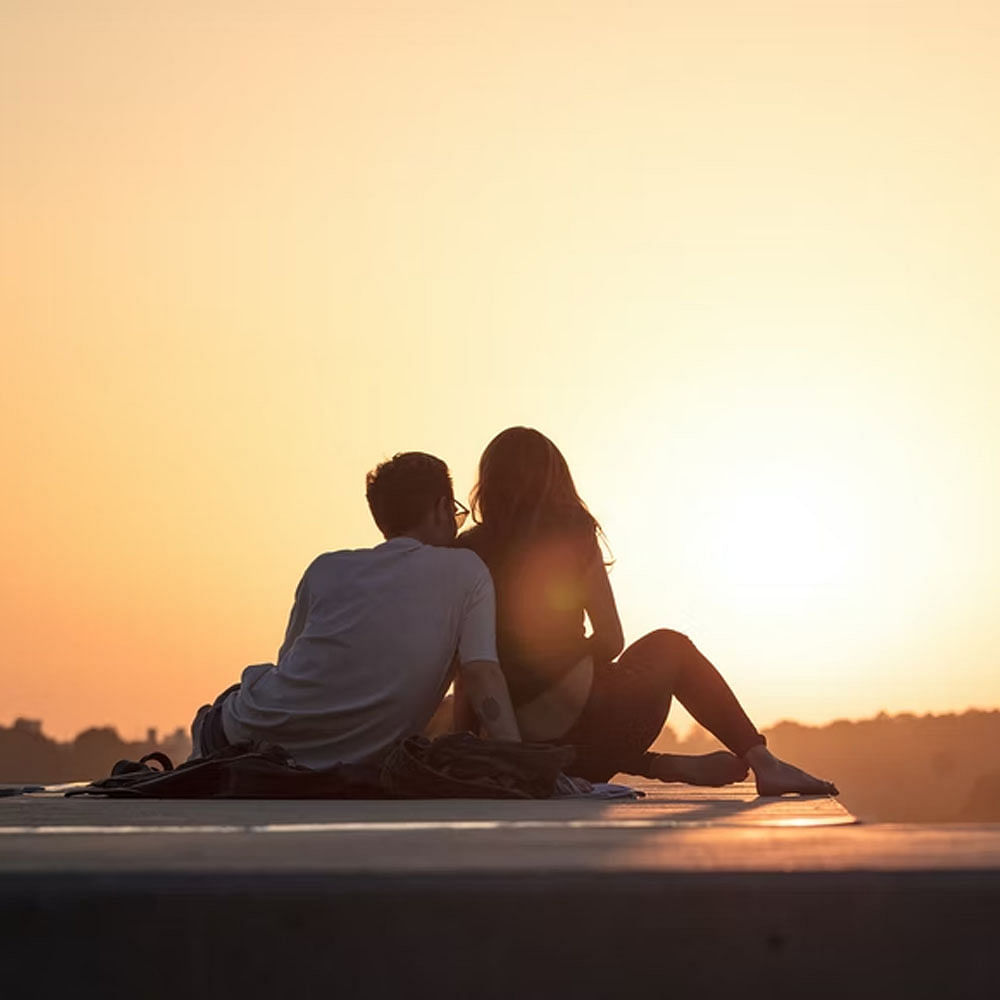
(457, 765)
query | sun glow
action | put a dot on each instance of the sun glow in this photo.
(774, 529)
(738, 263)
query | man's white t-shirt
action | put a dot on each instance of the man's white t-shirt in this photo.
(369, 651)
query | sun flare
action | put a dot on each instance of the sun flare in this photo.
(778, 533)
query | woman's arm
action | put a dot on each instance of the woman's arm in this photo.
(607, 640)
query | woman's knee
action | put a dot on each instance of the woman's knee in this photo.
(665, 641)
(659, 656)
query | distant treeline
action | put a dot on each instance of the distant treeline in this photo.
(901, 768)
(28, 756)
(893, 768)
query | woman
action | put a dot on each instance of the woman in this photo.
(540, 542)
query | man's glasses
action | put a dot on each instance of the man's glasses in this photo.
(461, 513)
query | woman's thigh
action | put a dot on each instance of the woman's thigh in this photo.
(629, 703)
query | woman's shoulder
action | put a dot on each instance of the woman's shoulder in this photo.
(480, 540)
(473, 538)
(575, 526)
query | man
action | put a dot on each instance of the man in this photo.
(374, 635)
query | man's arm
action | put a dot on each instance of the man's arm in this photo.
(464, 720)
(485, 688)
(480, 676)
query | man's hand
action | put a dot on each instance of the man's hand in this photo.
(485, 688)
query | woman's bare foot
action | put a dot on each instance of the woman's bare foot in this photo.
(719, 768)
(775, 777)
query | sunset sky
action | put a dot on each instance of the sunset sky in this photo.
(740, 260)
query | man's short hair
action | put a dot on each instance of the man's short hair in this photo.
(402, 491)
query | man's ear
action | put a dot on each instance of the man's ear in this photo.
(446, 512)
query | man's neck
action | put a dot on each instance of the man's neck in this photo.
(415, 534)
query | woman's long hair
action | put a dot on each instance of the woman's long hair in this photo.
(525, 487)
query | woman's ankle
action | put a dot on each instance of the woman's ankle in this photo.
(759, 756)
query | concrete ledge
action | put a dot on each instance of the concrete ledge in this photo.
(688, 893)
(707, 934)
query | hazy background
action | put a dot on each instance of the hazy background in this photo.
(738, 259)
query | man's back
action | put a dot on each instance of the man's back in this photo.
(368, 652)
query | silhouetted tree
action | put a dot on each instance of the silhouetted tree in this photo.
(28, 756)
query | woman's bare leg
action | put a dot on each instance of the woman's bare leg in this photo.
(712, 769)
(701, 689)
(629, 703)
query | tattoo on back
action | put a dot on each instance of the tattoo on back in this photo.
(491, 709)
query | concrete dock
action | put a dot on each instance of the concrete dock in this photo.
(688, 892)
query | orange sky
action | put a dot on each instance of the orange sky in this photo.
(738, 259)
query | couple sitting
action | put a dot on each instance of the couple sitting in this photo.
(377, 635)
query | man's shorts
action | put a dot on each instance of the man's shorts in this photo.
(207, 733)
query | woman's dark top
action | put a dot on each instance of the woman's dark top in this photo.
(541, 589)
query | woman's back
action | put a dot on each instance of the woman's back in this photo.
(540, 580)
